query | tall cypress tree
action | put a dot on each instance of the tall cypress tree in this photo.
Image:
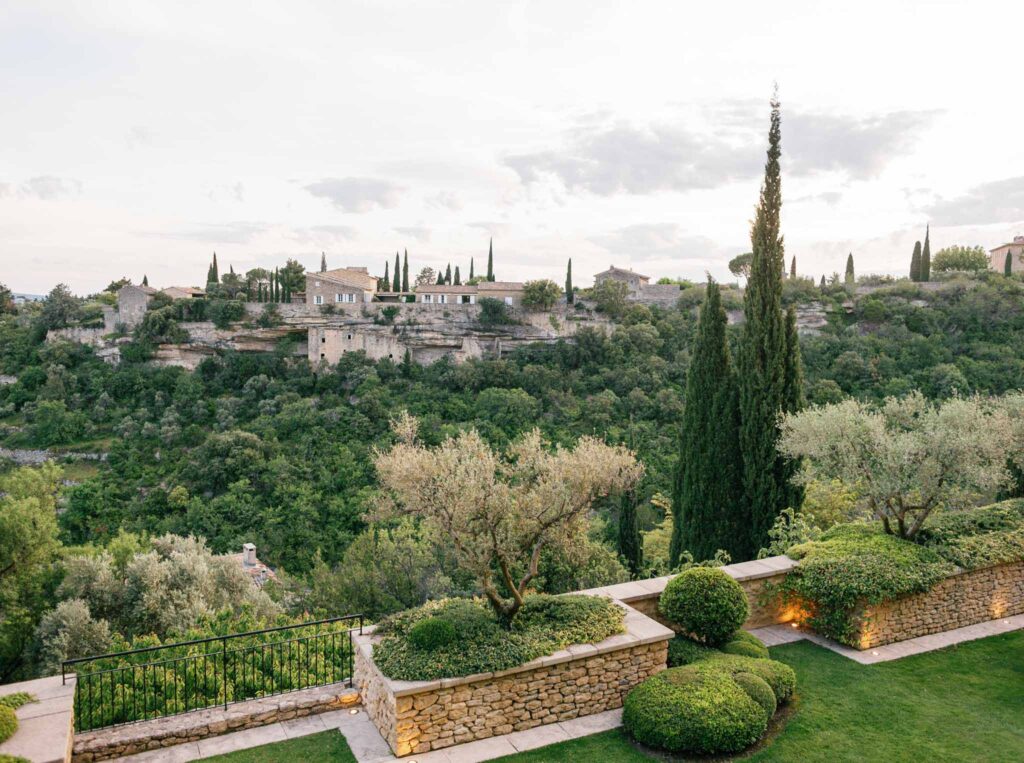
(490, 261)
(792, 268)
(396, 283)
(822, 284)
(850, 278)
(405, 271)
(323, 262)
(448, 274)
(793, 400)
(458, 279)
(440, 278)
(762, 361)
(214, 271)
(470, 268)
(926, 256)
(915, 262)
(570, 297)
(145, 279)
(629, 542)
(707, 490)
(1008, 263)
(387, 275)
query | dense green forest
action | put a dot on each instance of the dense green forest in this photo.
(264, 448)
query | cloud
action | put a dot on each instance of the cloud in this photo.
(651, 240)
(417, 232)
(48, 187)
(444, 199)
(491, 227)
(827, 197)
(323, 235)
(6, 189)
(139, 135)
(353, 194)
(219, 233)
(1000, 201)
(607, 159)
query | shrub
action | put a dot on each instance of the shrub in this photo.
(706, 603)
(8, 723)
(432, 633)
(746, 648)
(682, 650)
(16, 700)
(13, 759)
(777, 675)
(690, 710)
(493, 312)
(580, 619)
(758, 690)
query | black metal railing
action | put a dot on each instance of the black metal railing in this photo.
(140, 684)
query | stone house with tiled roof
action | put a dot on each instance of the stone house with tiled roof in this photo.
(509, 292)
(997, 256)
(340, 286)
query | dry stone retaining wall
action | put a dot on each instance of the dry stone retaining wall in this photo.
(965, 599)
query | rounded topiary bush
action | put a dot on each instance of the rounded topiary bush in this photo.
(8, 723)
(706, 603)
(758, 690)
(778, 675)
(682, 650)
(746, 644)
(689, 710)
(432, 633)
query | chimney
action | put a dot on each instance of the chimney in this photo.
(248, 554)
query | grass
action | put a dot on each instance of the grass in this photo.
(79, 471)
(325, 746)
(957, 704)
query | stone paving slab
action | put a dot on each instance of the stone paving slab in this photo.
(44, 727)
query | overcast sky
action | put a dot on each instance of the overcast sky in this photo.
(139, 137)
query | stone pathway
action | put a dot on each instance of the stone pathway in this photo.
(773, 635)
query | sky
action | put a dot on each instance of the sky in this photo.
(140, 137)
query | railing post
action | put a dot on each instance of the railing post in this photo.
(224, 668)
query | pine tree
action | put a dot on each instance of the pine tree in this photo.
(490, 261)
(457, 280)
(145, 279)
(915, 262)
(1008, 263)
(707, 490)
(926, 256)
(323, 262)
(405, 271)
(849, 277)
(448, 274)
(570, 297)
(629, 542)
(761, 366)
(792, 268)
(470, 268)
(387, 275)
(396, 281)
(793, 401)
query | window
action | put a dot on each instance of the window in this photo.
(323, 340)
(508, 300)
(442, 298)
(428, 298)
(316, 283)
(344, 297)
(318, 299)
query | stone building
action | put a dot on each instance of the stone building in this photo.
(634, 281)
(132, 303)
(342, 286)
(509, 292)
(640, 287)
(183, 292)
(997, 256)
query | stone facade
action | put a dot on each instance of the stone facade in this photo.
(418, 716)
(343, 286)
(997, 256)
(964, 599)
(191, 727)
(132, 303)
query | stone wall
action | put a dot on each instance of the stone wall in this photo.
(418, 716)
(201, 724)
(960, 600)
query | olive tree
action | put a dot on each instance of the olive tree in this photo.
(907, 457)
(541, 294)
(499, 511)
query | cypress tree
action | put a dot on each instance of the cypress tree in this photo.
(822, 284)
(214, 271)
(286, 293)
(276, 284)
(761, 366)
(707, 490)
(440, 278)
(490, 261)
(1008, 263)
(850, 278)
(323, 262)
(915, 262)
(458, 280)
(470, 268)
(448, 274)
(145, 279)
(387, 275)
(793, 401)
(570, 297)
(405, 271)
(792, 268)
(926, 256)
(629, 542)
(396, 283)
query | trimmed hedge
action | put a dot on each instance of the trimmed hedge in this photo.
(683, 650)
(432, 633)
(706, 603)
(8, 723)
(758, 690)
(543, 625)
(690, 710)
(778, 675)
(746, 644)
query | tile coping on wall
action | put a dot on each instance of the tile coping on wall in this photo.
(640, 630)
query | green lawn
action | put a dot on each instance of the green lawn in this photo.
(965, 703)
(325, 746)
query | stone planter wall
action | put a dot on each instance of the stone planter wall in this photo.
(960, 600)
(419, 716)
(201, 724)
